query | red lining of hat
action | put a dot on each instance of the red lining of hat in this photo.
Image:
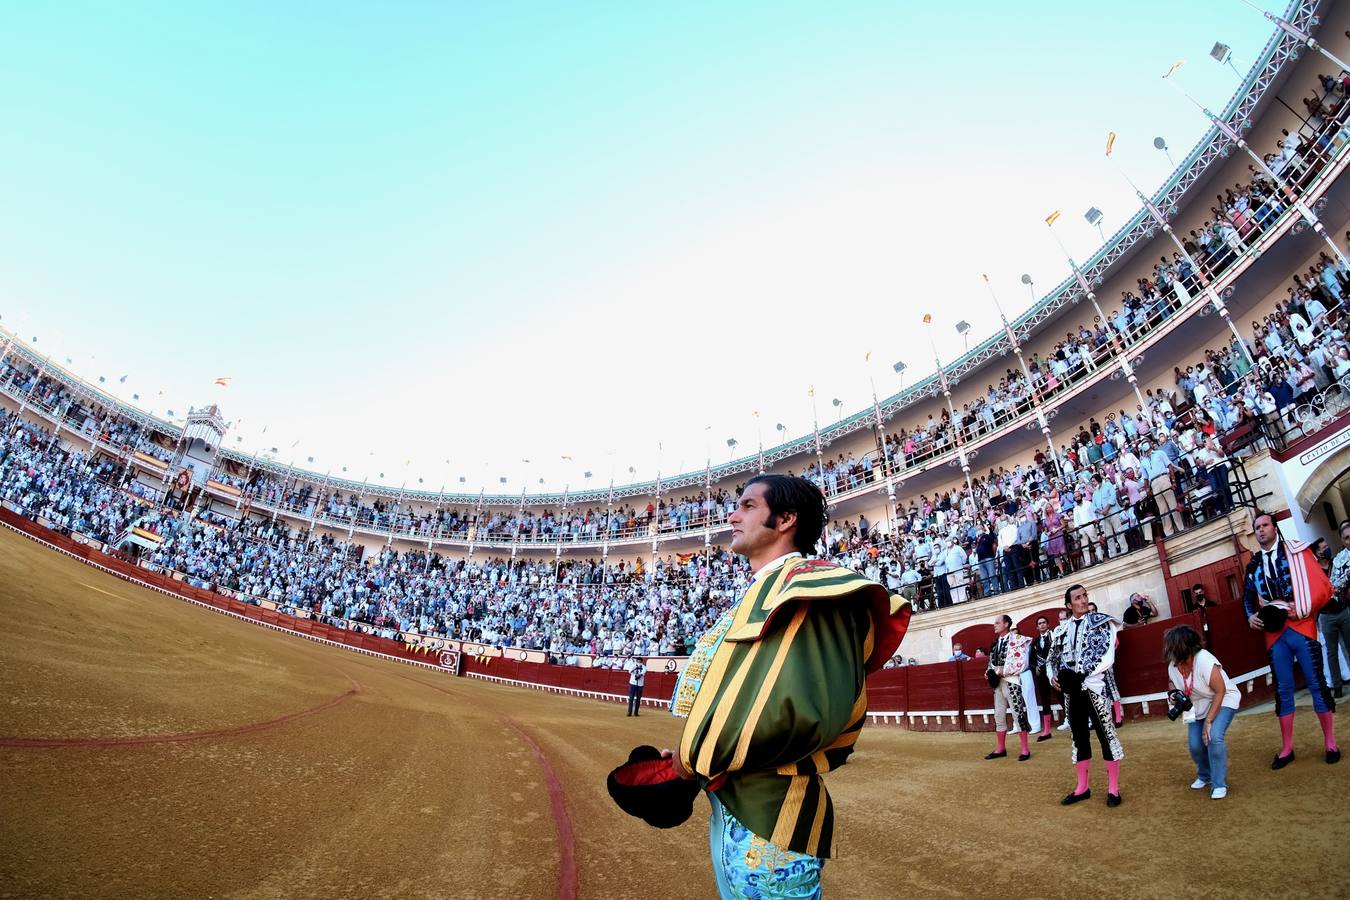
(647, 773)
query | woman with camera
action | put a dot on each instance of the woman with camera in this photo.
(1203, 693)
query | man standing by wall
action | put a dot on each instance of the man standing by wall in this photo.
(1334, 619)
(1040, 655)
(1007, 661)
(1283, 591)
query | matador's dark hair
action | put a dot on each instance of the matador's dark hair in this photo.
(793, 494)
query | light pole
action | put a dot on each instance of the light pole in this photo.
(963, 329)
(1162, 223)
(1232, 134)
(1094, 217)
(1299, 35)
(1161, 144)
(815, 428)
(958, 437)
(1223, 54)
(1036, 403)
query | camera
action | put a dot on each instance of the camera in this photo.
(1179, 703)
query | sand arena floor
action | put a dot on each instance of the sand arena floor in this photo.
(209, 757)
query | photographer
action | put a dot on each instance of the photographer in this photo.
(1206, 698)
(1141, 611)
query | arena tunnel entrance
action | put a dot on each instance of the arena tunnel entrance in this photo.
(1324, 499)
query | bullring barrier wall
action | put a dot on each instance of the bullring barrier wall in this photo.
(952, 696)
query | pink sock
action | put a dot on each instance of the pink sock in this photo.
(1287, 734)
(1328, 722)
(1046, 721)
(1026, 749)
(1120, 714)
(1002, 742)
(1083, 768)
(1113, 777)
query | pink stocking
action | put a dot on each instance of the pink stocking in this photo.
(1328, 723)
(1287, 734)
(1113, 777)
(1025, 748)
(1083, 768)
(1002, 742)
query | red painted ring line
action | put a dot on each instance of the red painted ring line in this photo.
(181, 737)
(567, 865)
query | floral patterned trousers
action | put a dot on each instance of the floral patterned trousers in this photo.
(748, 867)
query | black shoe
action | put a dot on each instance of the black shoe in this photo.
(1043, 737)
(628, 715)
(1071, 799)
(1112, 800)
(997, 754)
(1333, 757)
(1026, 756)
(1281, 761)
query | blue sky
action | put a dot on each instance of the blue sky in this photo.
(492, 233)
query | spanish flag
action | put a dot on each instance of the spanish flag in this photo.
(928, 318)
(1110, 142)
(223, 382)
(1050, 219)
(1176, 65)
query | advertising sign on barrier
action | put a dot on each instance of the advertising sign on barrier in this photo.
(449, 659)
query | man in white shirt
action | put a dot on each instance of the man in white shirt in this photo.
(637, 676)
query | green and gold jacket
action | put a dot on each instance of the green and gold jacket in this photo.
(784, 697)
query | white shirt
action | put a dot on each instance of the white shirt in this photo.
(774, 564)
(1202, 695)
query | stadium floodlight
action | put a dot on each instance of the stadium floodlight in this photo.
(839, 406)
(1160, 143)
(780, 427)
(963, 329)
(731, 442)
(501, 479)
(899, 368)
(1222, 54)
(587, 474)
(1094, 217)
